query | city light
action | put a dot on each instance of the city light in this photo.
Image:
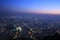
(58, 31)
(19, 28)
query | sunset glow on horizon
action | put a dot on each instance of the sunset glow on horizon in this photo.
(35, 6)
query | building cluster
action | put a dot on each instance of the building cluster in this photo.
(14, 27)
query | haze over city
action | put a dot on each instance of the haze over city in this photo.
(30, 20)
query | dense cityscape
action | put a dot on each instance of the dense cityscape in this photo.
(27, 28)
(29, 19)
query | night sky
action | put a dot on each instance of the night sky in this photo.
(37, 6)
